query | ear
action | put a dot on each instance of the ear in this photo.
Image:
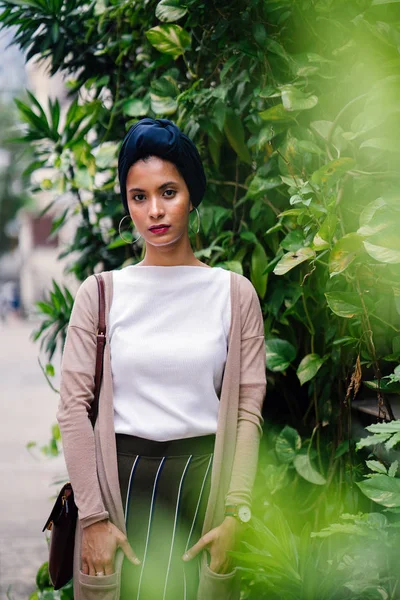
(191, 207)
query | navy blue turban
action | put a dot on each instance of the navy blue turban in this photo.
(161, 137)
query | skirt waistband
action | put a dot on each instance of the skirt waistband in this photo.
(131, 444)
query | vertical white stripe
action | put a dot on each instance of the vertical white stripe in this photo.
(198, 502)
(148, 528)
(193, 523)
(176, 518)
(128, 493)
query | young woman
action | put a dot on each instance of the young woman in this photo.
(163, 483)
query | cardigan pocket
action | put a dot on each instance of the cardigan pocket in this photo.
(218, 586)
(98, 587)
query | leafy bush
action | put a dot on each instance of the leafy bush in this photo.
(294, 108)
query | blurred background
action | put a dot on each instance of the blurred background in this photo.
(28, 263)
(294, 107)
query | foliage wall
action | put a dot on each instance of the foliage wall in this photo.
(294, 108)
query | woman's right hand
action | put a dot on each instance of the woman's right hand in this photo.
(99, 544)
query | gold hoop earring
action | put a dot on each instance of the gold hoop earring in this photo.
(198, 221)
(122, 237)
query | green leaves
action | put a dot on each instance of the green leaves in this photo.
(287, 444)
(280, 353)
(309, 367)
(288, 448)
(382, 489)
(344, 253)
(344, 304)
(56, 312)
(294, 99)
(332, 171)
(170, 10)
(234, 132)
(304, 468)
(169, 39)
(292, 259)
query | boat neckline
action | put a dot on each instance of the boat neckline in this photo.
(170, 267)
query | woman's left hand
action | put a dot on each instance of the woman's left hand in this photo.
(219, 540)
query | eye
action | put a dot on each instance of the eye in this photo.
(137, 196)
(170, 195)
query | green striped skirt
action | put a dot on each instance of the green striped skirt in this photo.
(164, 488)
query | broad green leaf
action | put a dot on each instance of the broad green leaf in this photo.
(260, 185)
(279, 354)
(163, 106)
(293, 240)
(106, 155)
(376, 466)
(344, 304)
(294, 99)
(344, 252)
(292, 259)
(372, 440)
(275, 477)
(304, 468)
(287, 444)
(165, 86)
(393, 468)
(309, 367)
(259, 261)
(291, 212)
(382, 254)
(170, 10)
(323, 129)
(385, 386)
(323, 238)
(219, 114)
(373, 217)
(382, 144)
(310, 147)
(118, 242)
(234, 131)
(83, 179)
(276, 113)
(259, 33)
(342, 448)
(394, 440)
(332, 171)
(135, 108)
(169, 39)
(382, 489)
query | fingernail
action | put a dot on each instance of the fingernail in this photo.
(186, 556)
(137, 561)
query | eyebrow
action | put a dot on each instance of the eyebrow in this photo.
(160, 187)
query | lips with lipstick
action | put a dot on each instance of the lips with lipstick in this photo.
(161, 228)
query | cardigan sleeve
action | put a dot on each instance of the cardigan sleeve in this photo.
(76, 395)
(252, 389)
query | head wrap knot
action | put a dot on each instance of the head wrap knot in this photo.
(161, 137)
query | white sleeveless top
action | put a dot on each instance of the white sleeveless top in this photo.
(169, 328)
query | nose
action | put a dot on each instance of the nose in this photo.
(156, 207)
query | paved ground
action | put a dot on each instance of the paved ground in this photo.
(27, 411)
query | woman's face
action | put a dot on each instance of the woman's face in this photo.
(157, 193)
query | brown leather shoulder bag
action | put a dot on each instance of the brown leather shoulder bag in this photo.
(63, 516)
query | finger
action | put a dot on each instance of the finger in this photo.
(99, 568)
(129, 553)
(85, 568)
(109, 568)
(194, 550)
(92, 570)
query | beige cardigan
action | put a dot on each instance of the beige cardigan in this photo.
(91, 457)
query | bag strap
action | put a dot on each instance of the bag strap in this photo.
(101, 341)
